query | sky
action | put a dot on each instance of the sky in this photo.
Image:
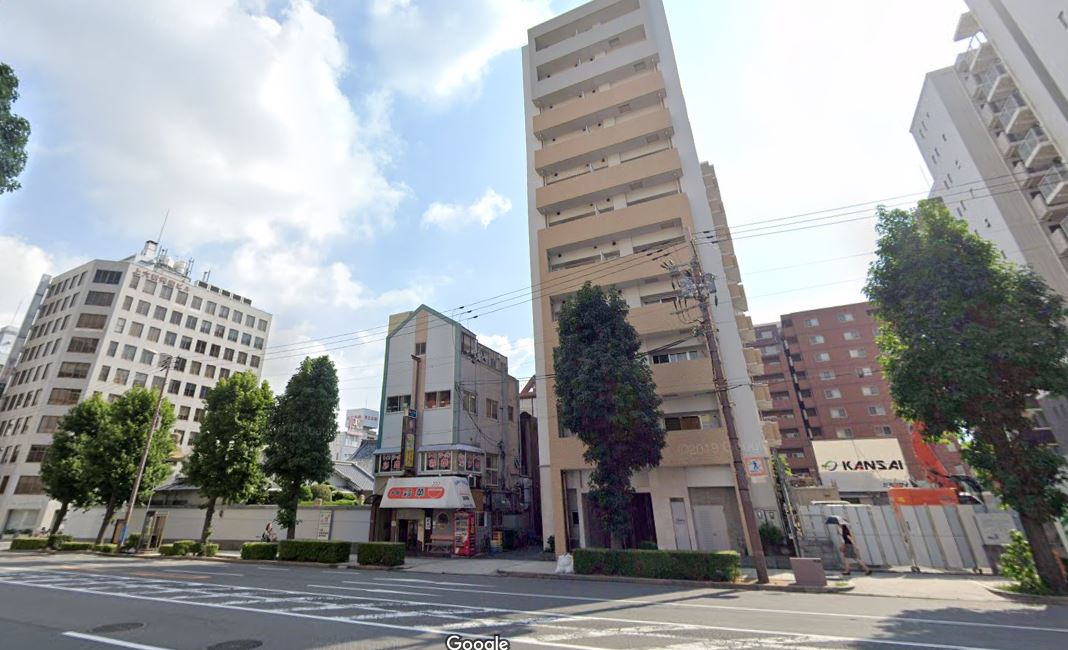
(341, 161)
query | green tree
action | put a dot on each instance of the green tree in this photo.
(14, 132)
(299, 431)
(322, 491)
(111, 458)
(968, 341)
(63, 471)
(606, 396)
(225, 462)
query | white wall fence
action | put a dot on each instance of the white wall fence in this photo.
(956, 537)
(232, 525)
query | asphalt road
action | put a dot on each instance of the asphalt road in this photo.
(74, 601)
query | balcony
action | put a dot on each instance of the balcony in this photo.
(993, 84)
(614, 66)
(772, 436)
(1006, 144)
(1060, 240)
(652, 169)
(1035, 149)
(1015, 116)
(638, 91)
(738, 297)
(602, 36)
(1025, 176)
(1054, 185)
(641, 216)
(978, 56)
(684, 377)
(989, 114)
(600, 143)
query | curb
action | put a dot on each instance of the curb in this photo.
(1029, 598)
(682, 583)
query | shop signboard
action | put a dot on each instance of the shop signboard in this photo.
(861, 465)
(326, 518)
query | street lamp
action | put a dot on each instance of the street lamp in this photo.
(166, 364)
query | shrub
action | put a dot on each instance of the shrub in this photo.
(771, 535)
(57, 541)
(322, 491)
(167, 549)
(106, 548)
(306, 493)
(648, 545)
(314, 550)
(719, 566)
(259, 550)
(203, 550)
(29, 543)
(184, 546)
(76, 546)
(131, 541)
(550, 544)
(1018, 565)
(380, 553)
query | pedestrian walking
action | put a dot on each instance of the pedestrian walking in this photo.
(268, 534)
(848, 547)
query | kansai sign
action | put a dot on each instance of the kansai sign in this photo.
(865, 465)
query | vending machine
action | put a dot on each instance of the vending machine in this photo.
(464, 534)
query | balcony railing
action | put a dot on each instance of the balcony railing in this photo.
(987, 78)
(1052, 185)
(1009, 108)
(1030, 143)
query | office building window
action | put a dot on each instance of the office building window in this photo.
(822, 357)
(844, 432)
(812, 322)
(845, 317)
(869, 390)
(838, 413)
(832, 393)
(816, 340)
(492, 409)
(437, 399)
(398, 403)
(876, 410)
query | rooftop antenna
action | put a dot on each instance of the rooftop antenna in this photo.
(163, 225)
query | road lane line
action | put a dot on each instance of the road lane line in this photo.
(432, 582)
(109, 641)
(640, 601)
(270, 568)
(206, 572)
(521, 640)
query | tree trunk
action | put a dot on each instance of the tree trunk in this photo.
(108, 514)
(208, 514)
(291, 532)
(1045, 562)
(57, 520)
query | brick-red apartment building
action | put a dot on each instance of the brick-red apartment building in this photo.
(822, 369)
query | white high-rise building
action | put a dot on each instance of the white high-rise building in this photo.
(993, 130)
(102, 328)
(614, 177)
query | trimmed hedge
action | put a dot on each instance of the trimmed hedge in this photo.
(259, 550)
(29, 543)
(106, 548)
(380, 553)
(314, 550)
(204, 550)
(131, 541)
(184, 546)
(719, 566)
(167, 549)
(76, 546)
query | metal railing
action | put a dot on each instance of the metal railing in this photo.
(987, 78)
(1008, 110)
(1034, 139)
(1051, 181)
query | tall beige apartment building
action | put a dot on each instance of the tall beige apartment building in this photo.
(614, 177)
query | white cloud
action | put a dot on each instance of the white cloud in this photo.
(520, 353)
(439, 50)
(21, 267)
(231, 119)
(453, 216)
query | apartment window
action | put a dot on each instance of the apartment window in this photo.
(864, 372)
(209, 371)
(398, 403)
(82, 345)
(250, 320)
(224, 373)
(143, 308)
(822, 357)
(812, 322)
(209, 307)
(140, 379)
(170, 338)
(92, 321)
(49, 424)
(191, 322)
(205, 327)
(160, 313)
(186, 344)
(179, 364)
(64, 396)
(73, 370)
(149, 287)
(29, 485)
(181, 300)
(194, 368)
(103, 374)
(198, 415)
(190, 390)
(826, 375)
(258, 343)
(869, 390)
(420, 348)
(176, 318)
(224, 312)
(214, 351)
(134, 280)
(766, 334)
(511, 414)
(816, 340)
(492, 409)
(148, 357)
(127, 303)
(121, 376)
(838, 413)
(129, 352)
(254, 361)
(166, 292)
(858, 353)
(682, 422)
(769, 350)
(183, 412)
(242, 358)
(790, 434)
(174, 387)
(261, 325)
(232, 335)
(470, 402)
(246, 339)
(851, 335)
(832, 393)
(136, 329)
(220, 331)
(200, 347)
(107, 277)
(228, 354)
(884, 431)
(99, 298)
(800, 453)
(876, 410)
(844, 432)
(845, 317)
(467, 344)
(675, 357)
(204, 392)
(436, 399)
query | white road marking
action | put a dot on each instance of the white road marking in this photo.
(206, 573)
(641, 601)
(429, 582)
(394, 591)
(109, 641)
(108, 581)
(270, 568)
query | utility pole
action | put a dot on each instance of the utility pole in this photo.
(752, 531)
(144, 454)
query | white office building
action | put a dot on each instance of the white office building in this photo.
(993, 130)
(101, 328)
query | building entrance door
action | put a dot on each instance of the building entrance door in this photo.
(711, 525)
(682, 525)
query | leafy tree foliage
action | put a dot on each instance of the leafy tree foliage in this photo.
(606, 396)
(14, 132)
(968, 341)
(63, 470)
(112, 457)
(299, 432)
(225, 462)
